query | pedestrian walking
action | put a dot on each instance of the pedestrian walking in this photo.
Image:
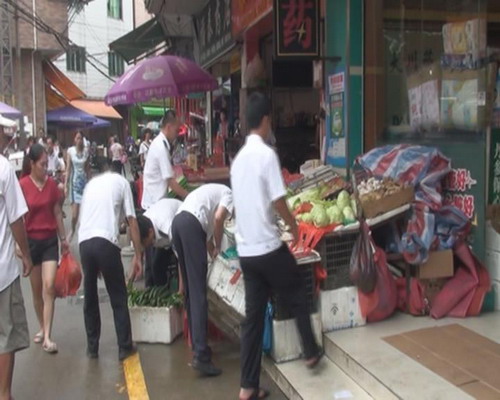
(144, 147)
(266, 262)
(198, 227)
(159, 175)
(14, 335)
(77, 176)
(155, 227)
(116, 152)
(44, 222)
(106, 198)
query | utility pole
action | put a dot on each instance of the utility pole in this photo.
(20, 101)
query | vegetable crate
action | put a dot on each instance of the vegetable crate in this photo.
(282, 311)
(156, 324)
(335, 251)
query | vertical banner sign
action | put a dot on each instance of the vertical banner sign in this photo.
(214, 30)
(494, 169)
(296, 27)
(336, 142)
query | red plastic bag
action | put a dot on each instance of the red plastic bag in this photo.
(68, 277)
(362, 271)
(415, 303)
(382, 301)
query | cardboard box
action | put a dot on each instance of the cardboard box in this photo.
(226, 280)
(340, 309)
(156, 324)
(439, 265)
(371, 209)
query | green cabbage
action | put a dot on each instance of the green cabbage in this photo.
(319, 215)
(335, 215)
(349, 217)
(305, 217)
(343, 199)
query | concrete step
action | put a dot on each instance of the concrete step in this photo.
(327, 381)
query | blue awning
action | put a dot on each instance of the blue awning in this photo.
(70, 115)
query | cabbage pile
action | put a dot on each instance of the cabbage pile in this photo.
(326, 212)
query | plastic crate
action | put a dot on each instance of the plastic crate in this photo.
(335, 252)
(281, 309)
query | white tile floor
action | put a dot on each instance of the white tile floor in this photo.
(384, 372)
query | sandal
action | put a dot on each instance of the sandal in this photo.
(51, 348)
(38, 338)
(259, 395)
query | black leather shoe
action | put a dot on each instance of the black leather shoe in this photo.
(206, 368)
(127, 352)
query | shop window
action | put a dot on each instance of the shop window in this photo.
(75, 59)
(427, 68)
(116, 64)
(115, 9)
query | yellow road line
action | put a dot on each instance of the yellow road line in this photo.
(134, 378)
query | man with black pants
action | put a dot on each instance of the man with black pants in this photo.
(266, 262)
(198, 227)
(105, 199)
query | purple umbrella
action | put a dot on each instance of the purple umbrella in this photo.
(8, 111)
(158, 78)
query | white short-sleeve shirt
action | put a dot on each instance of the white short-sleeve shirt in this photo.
(144, 149)
(257, 182)
(204, 201)
(12, 207)
(162, 214)
(105, 199)
(53, 163)
(157, 170)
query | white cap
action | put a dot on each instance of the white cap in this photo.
(8, 123)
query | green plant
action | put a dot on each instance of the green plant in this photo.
(158, 296)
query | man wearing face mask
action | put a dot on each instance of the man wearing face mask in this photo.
(13, 324)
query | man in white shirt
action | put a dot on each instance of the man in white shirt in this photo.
(155, 228)
(144, 147)
(13, 324)
(158, 171)
(105, 198)
(198, 226)
(266, 262)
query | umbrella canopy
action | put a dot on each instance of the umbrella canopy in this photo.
(8, 111)
(69, 115)
(158, 78)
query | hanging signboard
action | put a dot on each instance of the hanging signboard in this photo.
(296, 24)
(214, 30)
(336, 113)
(245, 13)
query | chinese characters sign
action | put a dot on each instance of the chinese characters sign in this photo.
(214, 30)
(458, 185)
(297, 28)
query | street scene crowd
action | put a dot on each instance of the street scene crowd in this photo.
(187, 224)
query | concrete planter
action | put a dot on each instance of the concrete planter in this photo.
(156, 324)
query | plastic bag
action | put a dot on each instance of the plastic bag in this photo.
(382, 301)
(68, 277)
(362, 271)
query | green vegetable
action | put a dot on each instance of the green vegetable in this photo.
(158, 296)
(306, 217)
(343, 199)
(335, 215)
(354, 206)
(319, 215)
(312, 195)
(349, 217)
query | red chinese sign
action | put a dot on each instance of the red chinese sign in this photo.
(244, 13)
(457, 183)
(297, 28)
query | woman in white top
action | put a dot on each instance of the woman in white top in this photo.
(77, 176)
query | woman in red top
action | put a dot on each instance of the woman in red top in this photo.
(43, 222)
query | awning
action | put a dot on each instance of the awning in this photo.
(70, 115)
(140, 42)
(152, 111)
(53, 99)
(8, 111)
(97, 108)
(61, 82)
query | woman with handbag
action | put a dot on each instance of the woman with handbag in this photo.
(44, 222)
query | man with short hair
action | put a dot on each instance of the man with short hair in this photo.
(144, 147)
(14, 334)
(266, 262)
(158, 170)
(105, 198)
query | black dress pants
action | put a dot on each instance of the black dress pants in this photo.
(274, 272)
(100, 255)
(190, 243)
